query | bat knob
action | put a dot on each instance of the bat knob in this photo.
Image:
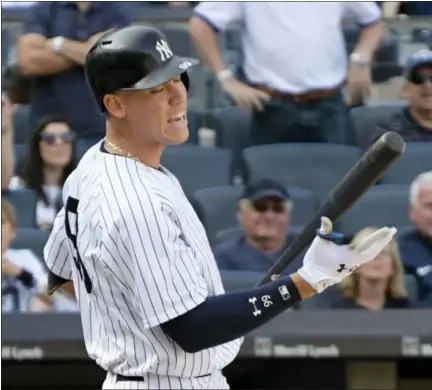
(326, 226)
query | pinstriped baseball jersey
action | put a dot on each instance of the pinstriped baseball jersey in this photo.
(138, 256)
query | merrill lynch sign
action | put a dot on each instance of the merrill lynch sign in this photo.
(413, 346)
(264, 346)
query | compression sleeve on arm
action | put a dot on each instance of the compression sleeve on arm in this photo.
(223, 318)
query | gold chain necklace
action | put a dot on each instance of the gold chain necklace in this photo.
(118, 149)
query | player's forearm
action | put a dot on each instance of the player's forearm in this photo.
(226, 317)
(207, 44)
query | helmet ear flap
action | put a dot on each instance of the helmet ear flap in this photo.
(185, 79)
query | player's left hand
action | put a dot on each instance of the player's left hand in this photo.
(326, 263)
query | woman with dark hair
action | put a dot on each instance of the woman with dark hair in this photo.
(50, 160)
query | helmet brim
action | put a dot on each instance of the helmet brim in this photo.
(170, 69)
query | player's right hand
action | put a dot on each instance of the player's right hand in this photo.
(244, 95)
(327, 263)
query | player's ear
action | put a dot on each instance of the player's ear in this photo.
(115, 105)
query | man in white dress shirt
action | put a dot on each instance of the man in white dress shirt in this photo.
(295, 64)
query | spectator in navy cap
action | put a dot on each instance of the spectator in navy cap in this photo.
(264, 213)
(414, 122)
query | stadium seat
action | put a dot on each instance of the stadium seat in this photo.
(180, 40)
(366, 118)
(22, 133)
(197, 167)
(217, 207)
(33, 239)
(5, 47)
(239, 280)
(232, 125)
(21, 151)
(24, 203)
(383, 205)
(416, 159)
(316, 167)
(237, 232)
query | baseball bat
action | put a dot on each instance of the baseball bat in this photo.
(362, 176)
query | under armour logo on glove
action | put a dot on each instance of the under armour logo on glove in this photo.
(343, 267)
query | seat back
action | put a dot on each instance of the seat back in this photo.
(33, 239)
(24, 203)
(416, 159)
(383, 205)
(197, 167)
(315, 167)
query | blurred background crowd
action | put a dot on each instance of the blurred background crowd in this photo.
(286, 99)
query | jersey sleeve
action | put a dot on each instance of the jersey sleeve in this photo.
(363, 12)
(167, 277)
(220, 15)
(56, 251)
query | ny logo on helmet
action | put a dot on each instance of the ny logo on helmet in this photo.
(163, 49)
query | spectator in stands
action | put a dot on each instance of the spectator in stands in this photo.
(376, 285)
(410, 8)
(50, 160)
(295, 64)
(52, 48)
(416, 246)
(24, 278)
(22, 273)
(7, 148)
(264, 213)
(413, 123)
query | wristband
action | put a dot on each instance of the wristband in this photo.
(225, 74)
(360, 59)
(26, 278)
(57, 44)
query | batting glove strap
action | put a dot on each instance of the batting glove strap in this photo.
(317, 278)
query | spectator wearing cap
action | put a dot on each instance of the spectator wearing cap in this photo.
(295, 64)
(52, 49)
(264, 213)
(414, 122)
(416, 245)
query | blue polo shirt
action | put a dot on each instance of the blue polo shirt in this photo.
(67, 93)
(239, 255)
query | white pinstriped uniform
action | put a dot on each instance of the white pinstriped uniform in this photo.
(149, 260)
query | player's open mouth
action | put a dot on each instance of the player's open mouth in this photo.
(179, 118)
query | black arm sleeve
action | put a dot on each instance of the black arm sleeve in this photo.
(223, 318)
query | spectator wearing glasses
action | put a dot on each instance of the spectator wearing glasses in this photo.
(264, 212)
(50, 160)
(414, 122)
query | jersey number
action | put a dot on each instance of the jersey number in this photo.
(72, 207)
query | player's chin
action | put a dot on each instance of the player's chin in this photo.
(176, 136)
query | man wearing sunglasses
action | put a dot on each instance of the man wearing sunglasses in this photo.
(414, 122)
(264, 213)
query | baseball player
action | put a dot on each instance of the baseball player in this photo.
(154, 311)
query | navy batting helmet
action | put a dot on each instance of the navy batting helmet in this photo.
(133, 58)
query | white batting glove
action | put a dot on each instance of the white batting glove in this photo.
(327, 263)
